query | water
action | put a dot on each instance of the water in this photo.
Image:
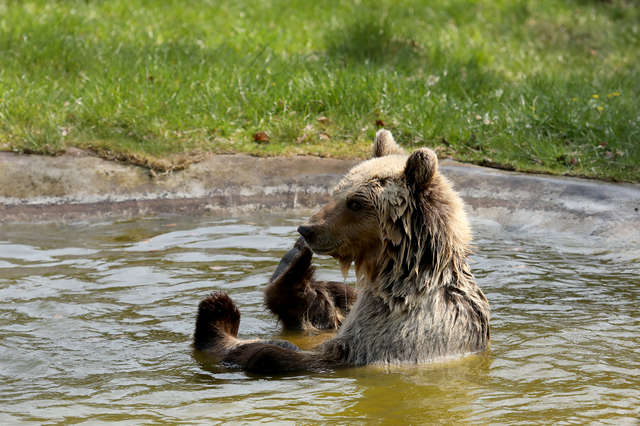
(96, 322)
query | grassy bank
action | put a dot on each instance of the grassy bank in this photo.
(550, 86)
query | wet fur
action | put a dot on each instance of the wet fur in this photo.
(409, 240)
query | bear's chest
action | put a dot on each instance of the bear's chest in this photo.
(373, 334)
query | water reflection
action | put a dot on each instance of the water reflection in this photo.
(96, 322)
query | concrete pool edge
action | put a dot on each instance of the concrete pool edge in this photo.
(79, 186)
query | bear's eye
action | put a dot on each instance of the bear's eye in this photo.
(354, 205)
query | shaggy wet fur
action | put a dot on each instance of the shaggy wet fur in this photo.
(399, 221)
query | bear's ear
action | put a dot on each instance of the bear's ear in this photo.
(421, 166)
(385, 145)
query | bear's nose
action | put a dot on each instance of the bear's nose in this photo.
(307, 233)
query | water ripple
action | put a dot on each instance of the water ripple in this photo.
(96, 322)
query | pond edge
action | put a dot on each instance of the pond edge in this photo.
(80, 186)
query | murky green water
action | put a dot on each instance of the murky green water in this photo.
(96, 323)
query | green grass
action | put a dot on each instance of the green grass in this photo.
(546, 86)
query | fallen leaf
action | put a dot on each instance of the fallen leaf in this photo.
(261, 137)
(324, 136)
(323, 119)
(379, 123)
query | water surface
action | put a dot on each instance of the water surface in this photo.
(96, 322)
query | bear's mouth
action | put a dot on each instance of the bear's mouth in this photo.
(329, 251)
(333, 251)
(329, 248)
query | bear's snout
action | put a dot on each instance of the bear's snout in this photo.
(318, 239)
(307, 233)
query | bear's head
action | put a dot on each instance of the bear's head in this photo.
(397, 218)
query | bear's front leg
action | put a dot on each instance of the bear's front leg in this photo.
(301, 302)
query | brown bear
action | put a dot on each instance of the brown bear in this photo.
(399, 221)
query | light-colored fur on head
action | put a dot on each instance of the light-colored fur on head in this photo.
(385, 144)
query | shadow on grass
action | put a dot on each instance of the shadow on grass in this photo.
(368, 36)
